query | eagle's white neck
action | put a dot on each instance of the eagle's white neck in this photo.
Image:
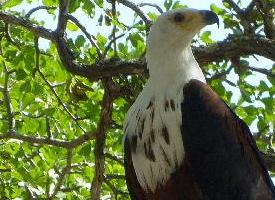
(169, 65)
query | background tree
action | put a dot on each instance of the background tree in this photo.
(64, 91)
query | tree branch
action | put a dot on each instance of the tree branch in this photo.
(39, 8)
(37, 30)
(87, 34)
(35, 140)
(105, 121)
(267, 11)
(137, 10)
(263, 71)
(63, 173)
(152, 5)
(37, 68)
(62, 17)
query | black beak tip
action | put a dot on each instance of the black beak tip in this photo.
(210, 17)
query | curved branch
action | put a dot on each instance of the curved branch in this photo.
(87, 34)
(138, 11)
(39, 8)
(152, 5)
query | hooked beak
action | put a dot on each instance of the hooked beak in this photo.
(209, 17)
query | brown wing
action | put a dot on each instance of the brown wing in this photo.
(222, 154)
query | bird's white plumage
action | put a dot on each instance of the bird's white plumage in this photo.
(171, 65)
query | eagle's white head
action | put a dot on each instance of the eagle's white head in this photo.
(176, 28)
(171, 35)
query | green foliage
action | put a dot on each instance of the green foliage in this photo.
(40, 99)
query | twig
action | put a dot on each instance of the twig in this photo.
(62, 175)
(137, 10)
(222, 74)
(250, 7)
(113, 34)
(109, 45)
(112, 157)
(87, 34)
(152, 5)
(235, 7)
(8, 37)
(35, 140)
(244, 16)
(7, 99)
(114, 189)
(114, 176)
(263, 71)
(39, 8)
(37, 51)
(82, 139)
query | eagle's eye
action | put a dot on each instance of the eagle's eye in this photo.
(178, 17)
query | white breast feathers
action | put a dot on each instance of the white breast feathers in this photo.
(153, 129)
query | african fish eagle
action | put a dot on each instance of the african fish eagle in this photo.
(181, 140)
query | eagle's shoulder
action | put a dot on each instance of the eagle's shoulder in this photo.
(215, 137)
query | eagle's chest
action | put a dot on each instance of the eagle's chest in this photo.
(153, 128)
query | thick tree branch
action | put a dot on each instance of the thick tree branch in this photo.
(37, 30)
(266, 9)
(233, 47)
(105, 121)
(62, 17)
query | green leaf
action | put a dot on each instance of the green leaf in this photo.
(216, 9)
(89, 7)
(152, 16)
(168, 4)
(21, 74)
(12, 3)
(205, 37)
(72, 26)
(99, 3)
(177, 5)
(134, 38)
(80, 41)
(86, 150)
(50, 2)
(73, 5)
